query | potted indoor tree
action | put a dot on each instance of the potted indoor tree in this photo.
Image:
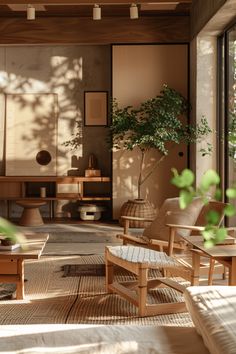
(159, 123)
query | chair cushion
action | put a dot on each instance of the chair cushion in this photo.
(213, 309)
(171, 213)
(154, 259)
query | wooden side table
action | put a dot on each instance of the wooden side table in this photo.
(12, 262)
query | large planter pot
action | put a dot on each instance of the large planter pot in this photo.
(138, 208)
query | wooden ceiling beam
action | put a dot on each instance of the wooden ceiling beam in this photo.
(168, 29)
(83, 2)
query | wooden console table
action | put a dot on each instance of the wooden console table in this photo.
(12, 262)
(14, 188)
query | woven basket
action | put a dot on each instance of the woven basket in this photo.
(138, 208)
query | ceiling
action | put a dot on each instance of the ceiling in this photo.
(78, 8)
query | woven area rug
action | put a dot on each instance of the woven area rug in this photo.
(52, 298)
(79, 233)
(78, 270)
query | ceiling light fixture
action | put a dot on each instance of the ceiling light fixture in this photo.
(97, 13)
(133, 11)
(30, 13)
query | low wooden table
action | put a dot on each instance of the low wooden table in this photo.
(224, 254)
(12, 262)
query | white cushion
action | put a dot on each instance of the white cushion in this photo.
(154, 259)
(98, 339)
(213, 310)
(171, 213)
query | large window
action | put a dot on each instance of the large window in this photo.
(227, 108)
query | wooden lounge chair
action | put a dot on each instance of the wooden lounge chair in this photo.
(164, 233)
(141, 259)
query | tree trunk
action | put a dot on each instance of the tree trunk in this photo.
(140, 173)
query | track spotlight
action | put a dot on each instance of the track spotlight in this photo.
(133, 11)
(30, 12)
(97, 14)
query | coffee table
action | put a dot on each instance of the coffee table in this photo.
(12, 262)
(224, 254)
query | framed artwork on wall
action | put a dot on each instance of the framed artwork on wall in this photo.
(95, 108)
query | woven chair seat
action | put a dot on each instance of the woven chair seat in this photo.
(153, 259)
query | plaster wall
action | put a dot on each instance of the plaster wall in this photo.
(67, 71)
(203, 96)
(139, 72)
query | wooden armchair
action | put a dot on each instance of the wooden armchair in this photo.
(164, 233)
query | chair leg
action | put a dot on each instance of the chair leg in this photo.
(211, 271)
(142, 291)
(109, 275)
(196, 269)
(224, 273)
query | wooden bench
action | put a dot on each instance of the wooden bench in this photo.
(139, 261)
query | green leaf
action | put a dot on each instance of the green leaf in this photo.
(210, 178)
(209, 243)
(213, 217)
(184, 180)
(185, 198)
(229, 210)
(188, 177)
(208, 233)
(231, 192)
(10, 232)
(220, 234)
(6, 228)
(218, 194)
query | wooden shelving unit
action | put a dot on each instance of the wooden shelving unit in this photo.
(14, 188)
(20, 187)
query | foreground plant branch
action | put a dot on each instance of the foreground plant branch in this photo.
(9, 232)
(209, 184)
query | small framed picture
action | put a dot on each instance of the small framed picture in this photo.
(95, 108)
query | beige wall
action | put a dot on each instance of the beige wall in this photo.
(203, 96)
(139, 72)
(31, 126)
(66, 71)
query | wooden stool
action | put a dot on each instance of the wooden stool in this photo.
(31, 215)
(139, 260)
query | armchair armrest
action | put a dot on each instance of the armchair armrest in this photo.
(127, 219)
(179, 245)
(174, 228)
(124, 217)
(131, 238)
(186, 227)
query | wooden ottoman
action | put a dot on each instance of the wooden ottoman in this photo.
(31, 215)
(139, 261)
